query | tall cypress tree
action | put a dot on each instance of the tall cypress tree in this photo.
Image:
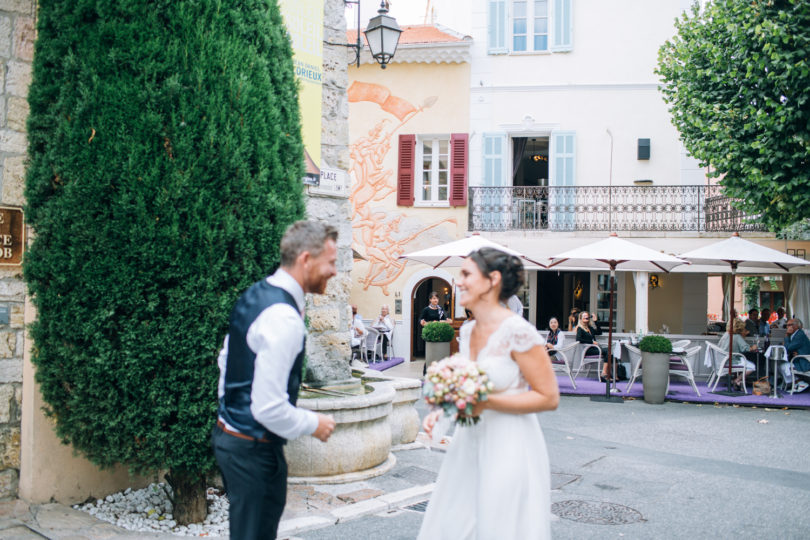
(165, 164)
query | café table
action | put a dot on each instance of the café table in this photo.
(773, 356)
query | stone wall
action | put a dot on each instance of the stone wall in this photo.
(17, 31)
(328, 348)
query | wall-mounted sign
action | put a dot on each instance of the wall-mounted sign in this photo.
(12, 236)
(333, 182)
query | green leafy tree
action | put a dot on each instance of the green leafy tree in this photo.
(737, 79)
(165, 164)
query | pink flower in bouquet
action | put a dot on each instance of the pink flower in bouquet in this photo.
(454, 384)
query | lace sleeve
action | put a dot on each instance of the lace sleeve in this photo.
(521, 336)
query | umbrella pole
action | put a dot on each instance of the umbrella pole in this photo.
(607, 397)
(731, 324)
(610, 336)
(730, 329)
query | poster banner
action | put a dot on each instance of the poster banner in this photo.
(304, 21)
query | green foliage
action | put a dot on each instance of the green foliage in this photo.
(165, 164)
(438, 331)
(750, 286)
(737, 80)
(655, 344)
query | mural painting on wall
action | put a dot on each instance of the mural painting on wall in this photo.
(379, 235)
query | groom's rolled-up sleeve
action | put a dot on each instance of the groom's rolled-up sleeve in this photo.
(276, 337)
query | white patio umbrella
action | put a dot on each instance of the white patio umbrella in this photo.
(739, 253)
(614, 252)
(454, 253)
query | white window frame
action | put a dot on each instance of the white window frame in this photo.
(530, 27)
(434, 176)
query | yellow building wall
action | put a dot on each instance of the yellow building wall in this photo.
(666, 303)
(419, 99)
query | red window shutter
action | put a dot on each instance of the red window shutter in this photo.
(405, 169)
(458, 169)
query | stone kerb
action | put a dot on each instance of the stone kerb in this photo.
(17, 36)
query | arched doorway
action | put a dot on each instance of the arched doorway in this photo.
(419, 300)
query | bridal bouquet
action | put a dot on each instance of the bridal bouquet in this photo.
(455, 384)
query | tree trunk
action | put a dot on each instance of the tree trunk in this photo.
(188, 497)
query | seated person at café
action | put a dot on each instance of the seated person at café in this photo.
(470, 317)
(797, 344)
(385, 325)
(781, 320)
(764, 327)
(739, 345)
(587, 330)
(573, 319)
(555, 338)
(358, 332)
(752, 323)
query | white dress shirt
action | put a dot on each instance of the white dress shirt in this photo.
(276, 337)
(358, 330)
(515, 305)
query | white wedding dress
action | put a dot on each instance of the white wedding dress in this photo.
(494, 482)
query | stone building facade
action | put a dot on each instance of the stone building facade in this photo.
(33, 463)
(328, 348)
(17, 31)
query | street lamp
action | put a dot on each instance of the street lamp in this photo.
(382, 35)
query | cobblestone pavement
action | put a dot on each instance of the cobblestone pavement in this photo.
(627, 470)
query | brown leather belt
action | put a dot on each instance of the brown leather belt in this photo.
(221, 425)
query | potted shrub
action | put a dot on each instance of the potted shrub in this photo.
(655, 353)
(437, 336)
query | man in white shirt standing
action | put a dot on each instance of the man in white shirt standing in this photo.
(260, 372)
(515, 305)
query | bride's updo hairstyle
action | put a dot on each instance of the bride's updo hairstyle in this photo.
(489, 260)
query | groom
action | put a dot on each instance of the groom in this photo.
(260, 372)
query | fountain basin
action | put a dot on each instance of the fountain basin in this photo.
(359, 447)
(404, 418)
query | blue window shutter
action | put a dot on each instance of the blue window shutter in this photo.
(494, 152)
(496, 27)
(562, 38)
(494, 203)
(562, 194)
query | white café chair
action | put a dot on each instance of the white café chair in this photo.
(589, 357)
(719, 359)
(777, 336)
(794, 371)
(681, 366)
(560, 361)
(634, 354)
(373, 345)
(681, 344)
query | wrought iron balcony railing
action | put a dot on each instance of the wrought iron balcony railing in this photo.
(601, 208)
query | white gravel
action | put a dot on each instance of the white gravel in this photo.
(150, 510)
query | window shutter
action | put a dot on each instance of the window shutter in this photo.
(564, 158)
(562, 195)
(563, 35)
(458, 169)
(405, 169)
(496, 27)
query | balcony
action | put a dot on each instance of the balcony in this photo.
(600, 208)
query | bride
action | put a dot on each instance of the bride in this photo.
(495, 480)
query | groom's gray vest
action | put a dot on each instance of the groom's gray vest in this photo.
(234, 407)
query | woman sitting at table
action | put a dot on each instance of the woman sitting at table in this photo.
(739, 345)
(385, 325)
(555, 338)
(587, 330)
